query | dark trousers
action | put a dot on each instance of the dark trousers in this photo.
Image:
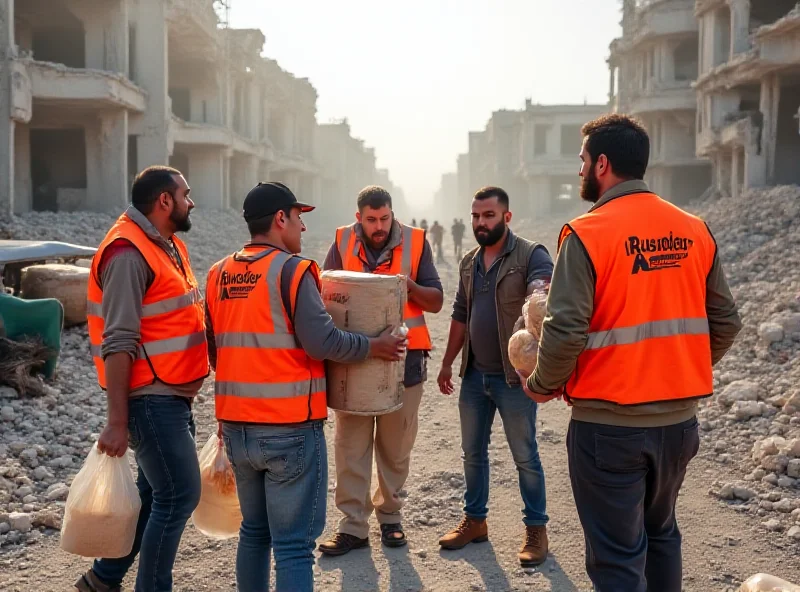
(625, 482)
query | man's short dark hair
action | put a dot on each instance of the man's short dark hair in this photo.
(264, 225)
(375, 197)
(623, 140)
(490, 192)
(149, 184)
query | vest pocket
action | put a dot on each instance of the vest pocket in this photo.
(511, 288)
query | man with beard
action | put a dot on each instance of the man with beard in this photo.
(147, 335)
(495, 278)
(377, 243)
(638, 302)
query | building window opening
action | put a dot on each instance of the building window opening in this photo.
(686, 60)
(181, 103)
(766, 13)
(787, 139)
(571, 140)
(58, 169)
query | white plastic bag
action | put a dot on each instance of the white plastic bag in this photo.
(523, 351)
(533, 311)
(762, 582)
(523, 347)
(102, 508)
(218, 514)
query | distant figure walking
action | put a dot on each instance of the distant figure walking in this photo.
(457, 230)
(413, 222)
(423, 224)
(437, 236)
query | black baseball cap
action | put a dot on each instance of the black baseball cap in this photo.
(265, 199)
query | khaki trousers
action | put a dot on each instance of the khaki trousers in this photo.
(392, 436)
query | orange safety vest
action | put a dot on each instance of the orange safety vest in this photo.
(648, 337)
(172, 346)
(404, 259)
(262, 373)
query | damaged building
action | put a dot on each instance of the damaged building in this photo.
(549, 147)
(348, 165)
(531, 153)
(652, 69)
(92, 91)
(748, 92)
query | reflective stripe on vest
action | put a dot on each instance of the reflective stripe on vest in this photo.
(172, 347)
(262, 373)
(156, 308)
(648, 338)
(651, 330)
(275, 390)
(410, 250)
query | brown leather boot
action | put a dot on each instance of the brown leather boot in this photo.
(89, 582)
(342, 543)
(534, 549)
(471, 530)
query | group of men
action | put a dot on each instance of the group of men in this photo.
(436, 233)
(638, 312)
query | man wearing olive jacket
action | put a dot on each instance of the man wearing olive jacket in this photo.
(638, 313)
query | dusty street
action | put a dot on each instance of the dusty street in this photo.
(721, 546)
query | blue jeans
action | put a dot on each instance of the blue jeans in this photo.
(161, 433)
(481, 395)
(282, 482)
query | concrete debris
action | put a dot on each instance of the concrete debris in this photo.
(770, 332)
(757, 409)
(20, 521)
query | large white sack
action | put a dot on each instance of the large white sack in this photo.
(66, 283)
(365, 303)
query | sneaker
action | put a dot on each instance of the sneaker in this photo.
(471, 530)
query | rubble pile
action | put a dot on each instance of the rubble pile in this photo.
(44, 440)
(214, 233)
(753, 422)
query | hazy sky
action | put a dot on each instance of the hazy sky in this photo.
(414, 76)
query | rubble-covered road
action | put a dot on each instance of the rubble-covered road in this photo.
(739, 509)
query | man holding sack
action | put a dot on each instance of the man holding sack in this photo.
(377, 243)
(147, 334)
(268, 334)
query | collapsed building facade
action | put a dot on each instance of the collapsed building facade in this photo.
(717, 84)
(92, 91)
(531, 153)
(748, 92)
(652, 69)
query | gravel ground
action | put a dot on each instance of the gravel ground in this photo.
(739, 509)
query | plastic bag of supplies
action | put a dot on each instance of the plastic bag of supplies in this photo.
(523, 347)
(102, 508)
(766, 583)
(218, 514)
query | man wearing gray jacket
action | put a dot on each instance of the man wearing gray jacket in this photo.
(145, 328)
